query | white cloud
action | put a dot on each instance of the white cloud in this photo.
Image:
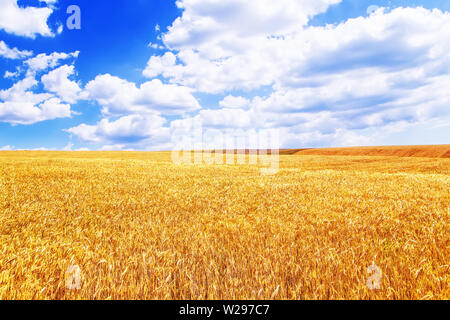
(369, 72)
(14, 53)
(9, 74)
(338, 138)
(57, 81)
(330, 83)
(138, 131)
(120, 97)
(158, 64)
(43, 61)
(228, 118)
(155, 46)
(399, 39)
(217, 23)
(26, 103)
(20, 105)
(231, 101)
(225, 45)
(6, 148)
(28, 21)
(334, 85)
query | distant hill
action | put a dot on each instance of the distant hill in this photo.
(435, 151)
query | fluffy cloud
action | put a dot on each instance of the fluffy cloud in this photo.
(43, 61)
(230, 45)
(329, 84)
(120, 97)
(28, 21)
(133, 131)
(14, 53)
(28, 101)
(157, 64)
(334, 85)
(20, 105)
(368, 72)
(226, 118)
(231, 101)
(400, 39)
(218, 24)
(9, 74)
(132, 114)
(57, 81)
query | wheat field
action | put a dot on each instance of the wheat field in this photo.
(140, 227)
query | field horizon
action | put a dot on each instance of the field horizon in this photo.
(421, 151)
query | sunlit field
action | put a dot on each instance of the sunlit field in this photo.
(140, 227)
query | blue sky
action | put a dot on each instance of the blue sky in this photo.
(322, 72)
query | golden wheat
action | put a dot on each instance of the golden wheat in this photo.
(140, 227)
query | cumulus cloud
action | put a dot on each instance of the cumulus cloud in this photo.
(399, 39)
(368, 72)
(57, 81)
(157, 64)
(231, 101)
(132, 113)
(226, 45)
(120, 97)
(132, 131)
(20, 105)
(332, 85)
(217, 23)
(228, 118)
(25, 21)
(44, 61)
(223, 45)
(333, 82)
(9, 74)
(13, 53)
(30, 101)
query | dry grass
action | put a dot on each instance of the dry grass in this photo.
(140, 227)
